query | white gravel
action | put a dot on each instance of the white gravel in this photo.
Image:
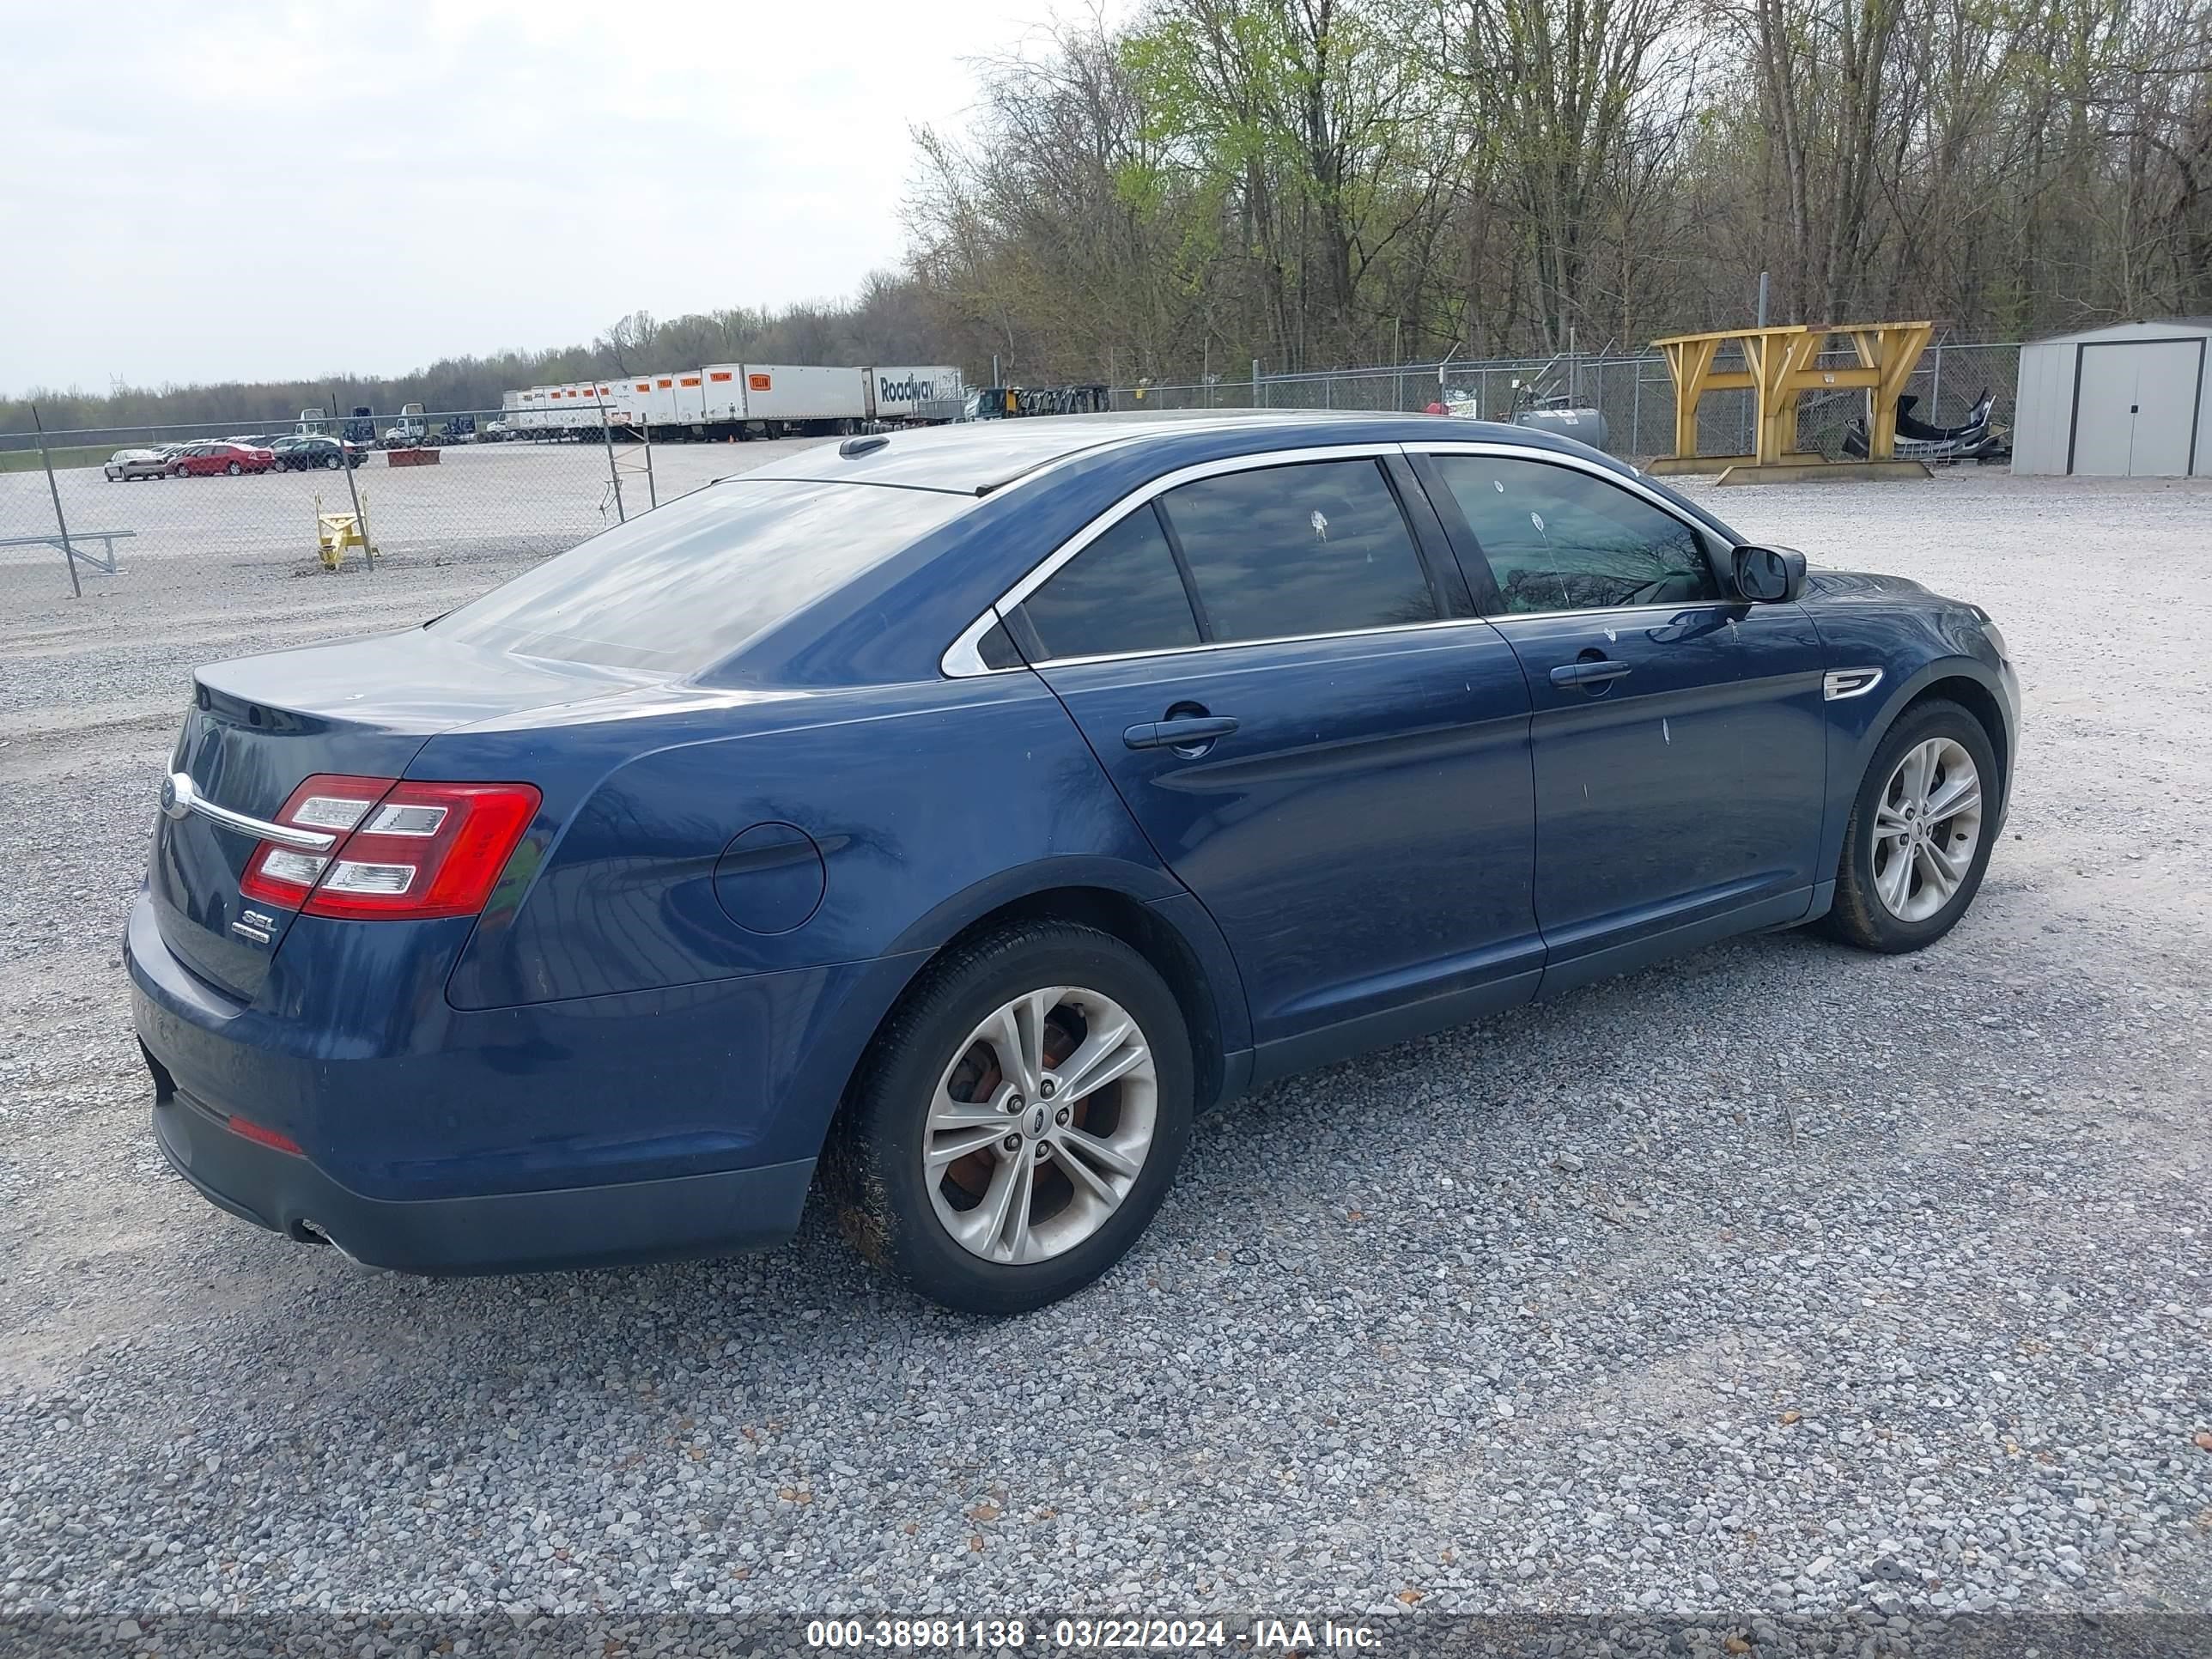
(1778, 1281)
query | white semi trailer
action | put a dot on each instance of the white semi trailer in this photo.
(748, 400)
(915, 395)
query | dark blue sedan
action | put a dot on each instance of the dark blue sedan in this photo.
(947, 817)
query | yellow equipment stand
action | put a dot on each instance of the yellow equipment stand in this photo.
(1779, 368)
(336, 532)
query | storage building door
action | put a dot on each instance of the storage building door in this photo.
(2135, 409)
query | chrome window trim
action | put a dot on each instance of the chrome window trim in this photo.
(1440, 623)
(964, 660)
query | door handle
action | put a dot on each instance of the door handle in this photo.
(1178, 733)
(1600, 672)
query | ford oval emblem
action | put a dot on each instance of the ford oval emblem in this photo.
(176, 796)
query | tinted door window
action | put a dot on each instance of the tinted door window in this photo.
(1558, 539)
(1283, 552)
(1120, 593)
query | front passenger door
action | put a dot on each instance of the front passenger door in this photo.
(1680, 745)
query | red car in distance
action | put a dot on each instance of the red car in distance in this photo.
(202, 460)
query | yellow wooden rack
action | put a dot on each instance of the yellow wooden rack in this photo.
(1780, 366)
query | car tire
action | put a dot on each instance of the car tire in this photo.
(932, 1087)
(233, 468)
(331, 463)
(1907, 875)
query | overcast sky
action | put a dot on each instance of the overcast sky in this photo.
(204, 191)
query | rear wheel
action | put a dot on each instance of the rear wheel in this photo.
(1920, 832)
(1025, 1117)
(331, 463)
(233, 468)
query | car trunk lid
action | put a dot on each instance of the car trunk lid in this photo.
(260, 726)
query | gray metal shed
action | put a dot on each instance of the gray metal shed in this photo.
(2130, 401)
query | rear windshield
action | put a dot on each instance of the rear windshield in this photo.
(676, 590)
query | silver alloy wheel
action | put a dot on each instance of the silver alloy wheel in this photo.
(1927, 827)
(1040, 1125)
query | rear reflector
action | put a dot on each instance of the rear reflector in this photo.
(248, 1130)
(403, 851)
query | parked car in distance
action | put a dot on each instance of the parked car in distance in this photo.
(202, 460)
(297, 452)
(125, 464)
(595, 919)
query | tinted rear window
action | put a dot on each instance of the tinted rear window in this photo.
(1120, 593)
(679, 589)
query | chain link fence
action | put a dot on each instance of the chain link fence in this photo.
(1634, 393)
(211, 504)
(174, 514)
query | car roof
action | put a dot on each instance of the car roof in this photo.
(979, 456)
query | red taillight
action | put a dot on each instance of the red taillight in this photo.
(328, 802)
(406, 851)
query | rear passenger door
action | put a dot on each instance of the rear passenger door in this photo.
(1680, 745)
(1277, 663)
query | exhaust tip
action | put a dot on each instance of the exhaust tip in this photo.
(309, 1232)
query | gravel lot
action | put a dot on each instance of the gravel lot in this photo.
(1780, 1279)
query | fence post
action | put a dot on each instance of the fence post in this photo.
(614, 476)
(353, 489)
(1636, 409)
(1935, 391)
(68, 552)
(1257, 400)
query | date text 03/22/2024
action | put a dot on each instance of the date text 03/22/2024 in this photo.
(1092, 1635)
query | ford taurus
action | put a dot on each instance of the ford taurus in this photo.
(941, 819)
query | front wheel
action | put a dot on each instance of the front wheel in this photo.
(1024, 1117)
(1920, 832)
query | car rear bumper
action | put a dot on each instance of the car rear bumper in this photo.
(630, 1127)
(713, 1214)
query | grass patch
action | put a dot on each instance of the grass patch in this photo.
(26, 460)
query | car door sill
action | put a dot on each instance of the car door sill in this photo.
(1777, 910)
(1385, 1026)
